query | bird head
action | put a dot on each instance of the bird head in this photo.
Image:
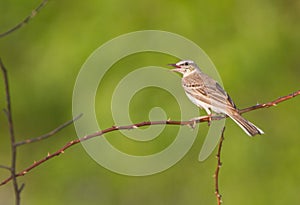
(184, 67)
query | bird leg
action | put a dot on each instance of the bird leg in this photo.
(193, 122)
(209, 119)
(209, 114)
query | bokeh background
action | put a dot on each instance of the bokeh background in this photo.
(255, 46)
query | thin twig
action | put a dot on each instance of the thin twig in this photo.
(219, 164)
(5, 167)
(272, 103)
(49, 134)
(21, 187)
(26, 20)
(12, 135)
(141, 124)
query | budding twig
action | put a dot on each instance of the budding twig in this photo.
(49, 134)
(26, 20)
(219, 164)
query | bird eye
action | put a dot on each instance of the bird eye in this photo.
(186, 63)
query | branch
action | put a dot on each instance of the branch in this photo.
(272, 103)
(49, 134)
(5, 167)
(26, 20)
(11, 133)
(219, 164)
(8, 111)
(142, 124)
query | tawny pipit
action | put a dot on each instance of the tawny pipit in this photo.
(208, 94)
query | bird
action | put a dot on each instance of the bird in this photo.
(208, 94)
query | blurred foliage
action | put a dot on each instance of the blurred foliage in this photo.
(255, 46)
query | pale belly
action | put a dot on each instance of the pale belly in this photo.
(214, 106)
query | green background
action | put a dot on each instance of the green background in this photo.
(255, 47)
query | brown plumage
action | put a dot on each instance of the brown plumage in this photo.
(208, 94)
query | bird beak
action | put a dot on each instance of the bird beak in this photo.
(174, 65)
(177, 68)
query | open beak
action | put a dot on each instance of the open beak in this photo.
(174, 65)
(177, 68)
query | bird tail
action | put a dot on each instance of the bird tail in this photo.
(247, 126)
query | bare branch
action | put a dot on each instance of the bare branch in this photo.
(12, 134)
(219, 164)
(142, 124)
(272, 103)
(26, 20)
(21, 187)
(49, 134)
(8, 101)
(5, 167)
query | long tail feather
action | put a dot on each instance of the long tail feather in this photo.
(247, 126)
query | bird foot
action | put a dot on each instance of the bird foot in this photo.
(193, 122)
(209, 120)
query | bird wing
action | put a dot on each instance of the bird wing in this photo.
(207, 90)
